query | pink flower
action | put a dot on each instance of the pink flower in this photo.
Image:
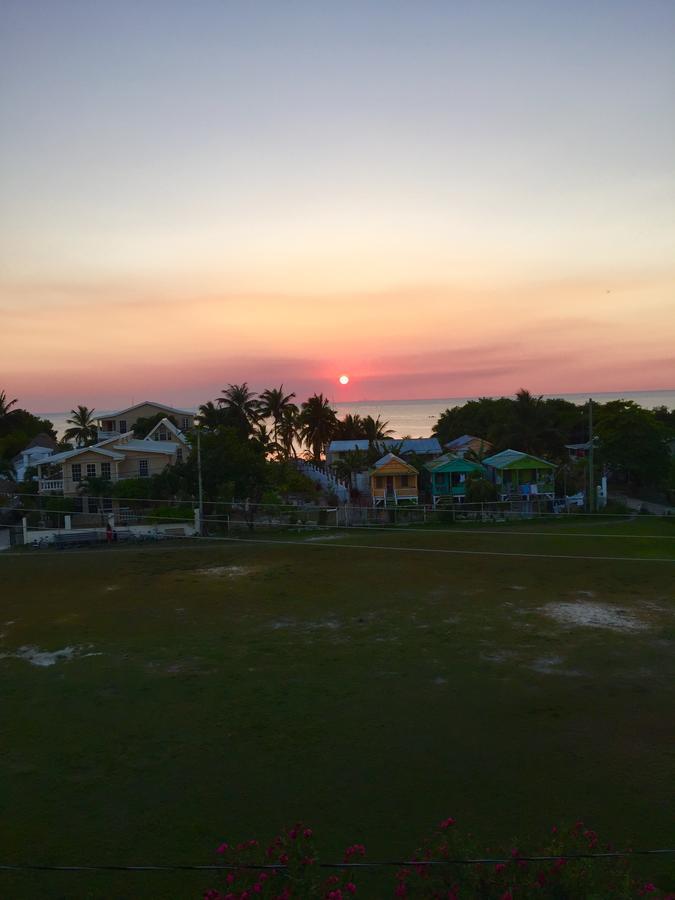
(293, 833)
(229, 878)
(500, 867)
(648, 888)
(446, 823)
(554, 830)
(507, 895)
(222, 848)
(307, 833)
(283, 859)
(401, 890)
(335, 895)
(350, 887)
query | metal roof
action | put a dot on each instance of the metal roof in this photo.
(451, 462)
(162, 406)
(69, 454)
(145, 446)
(391, 457)
(461, 441)
(404, 445)
(504, 459)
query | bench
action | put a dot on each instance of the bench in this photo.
(78, 538)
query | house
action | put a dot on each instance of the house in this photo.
(113, 459)
(117, 423)
(422, 447)
(578, 451)
(466, 443)
(521, 476)
(392, 481)
(448, 477)
(42, 446)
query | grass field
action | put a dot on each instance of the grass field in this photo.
(367, 682)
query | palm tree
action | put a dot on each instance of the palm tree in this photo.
(350, 464)
(376, 429)
(317, 424)
(350, 428)
(210, 416)
(242, 403)
(83, 430)
(272, 404)
(288, 430)
(6, 405)
(265, 438)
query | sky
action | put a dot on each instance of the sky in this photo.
(438, 199)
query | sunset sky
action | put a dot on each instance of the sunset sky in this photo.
(437, 198)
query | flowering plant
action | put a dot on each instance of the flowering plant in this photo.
(562, 869)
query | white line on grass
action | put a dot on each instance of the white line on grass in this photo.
(316, 546)
(505, 532)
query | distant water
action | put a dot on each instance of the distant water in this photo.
(417, 417)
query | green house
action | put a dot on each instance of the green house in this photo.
(448, 476)
(521, 476)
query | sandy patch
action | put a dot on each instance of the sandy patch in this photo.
(497, 656)
(325, 537)
(517, 587)
(112, 587)
(43, 658)
(593, 615)
(224, 571)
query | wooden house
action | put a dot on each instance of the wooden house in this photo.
(393, 481)
(448, 478)
(521, 476)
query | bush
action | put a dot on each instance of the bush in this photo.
(566, 870)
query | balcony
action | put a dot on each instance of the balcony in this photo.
(48, 485)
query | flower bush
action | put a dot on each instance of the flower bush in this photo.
(288, 869)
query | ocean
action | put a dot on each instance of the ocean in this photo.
(417, 417)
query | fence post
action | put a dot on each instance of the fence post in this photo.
(24, 526)
(67, 522)
(198, 524)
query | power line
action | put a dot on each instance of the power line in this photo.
(380, 864)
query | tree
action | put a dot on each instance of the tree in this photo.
(6, 405)
(272, 404)
(375, 429)
(233, 467)
(317, 424)
(211, 417)
(242, 404)
(632, 442)
(83, 427)
(350, 428)
(288, 431)
(350, 464)
(479, 489)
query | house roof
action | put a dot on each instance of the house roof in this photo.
(450, 463)
(389, 458)
(462, 441)
(145, 446)
(70, 454)
(403, 446)
(168, 425)
(43, 440)
(508, 458)
(122, 412)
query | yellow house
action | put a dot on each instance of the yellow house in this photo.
(393, 481)
(117, 423)
(114, 459)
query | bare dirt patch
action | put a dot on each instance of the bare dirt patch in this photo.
(225, 571)
(43, 658)
(594, 615)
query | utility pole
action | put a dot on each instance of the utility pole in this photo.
(199, 477)
(591, 479)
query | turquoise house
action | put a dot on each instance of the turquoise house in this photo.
(521, 476)
(448, 476)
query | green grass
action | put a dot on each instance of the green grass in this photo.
(370, 692)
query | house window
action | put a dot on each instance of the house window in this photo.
(123, 426)
(107, 504)
(92, 503)
(105, 471)
(179, 454)
(404, 480)
(91, 470)
(186, 423)
(143, 468)
(78, 504)
(76, 472)
(379, 481)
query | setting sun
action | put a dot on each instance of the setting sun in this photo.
(344, 379)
